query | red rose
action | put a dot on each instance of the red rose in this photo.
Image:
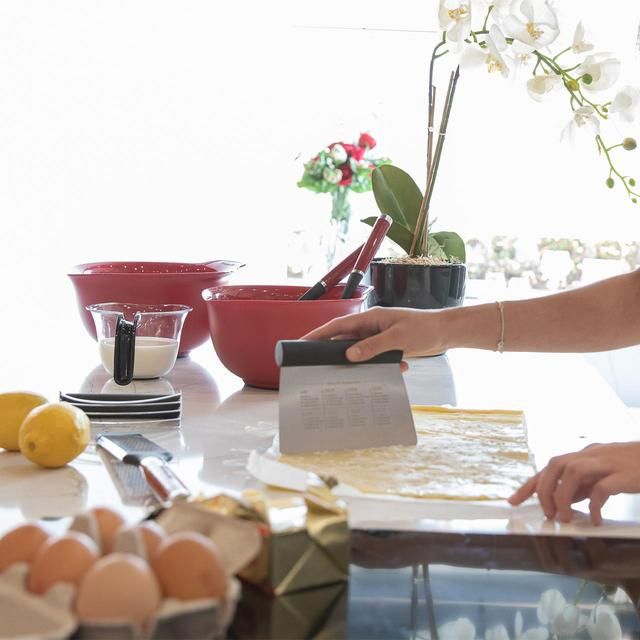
(347, 174)
(355, 152)
(366, 141)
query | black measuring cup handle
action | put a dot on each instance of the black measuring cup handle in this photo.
(124, 351)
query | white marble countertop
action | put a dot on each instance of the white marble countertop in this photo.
(567, 406)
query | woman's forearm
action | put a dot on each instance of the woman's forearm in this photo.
(597, 317)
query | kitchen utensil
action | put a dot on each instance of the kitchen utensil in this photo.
(152, 283)
(246, 322)
(332, 278)
(328, 403)
(138, 341)
(369, 250)
(135, 449)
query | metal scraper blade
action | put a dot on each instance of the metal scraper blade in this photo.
(328, 407)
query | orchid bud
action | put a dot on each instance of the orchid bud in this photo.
(632, 182)
(572, 85)
(610, 183)
(634, 200)
(629, 144)
(587, 78)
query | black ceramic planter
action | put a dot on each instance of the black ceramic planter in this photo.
(418, 286)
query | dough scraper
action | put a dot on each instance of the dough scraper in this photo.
(327, 403)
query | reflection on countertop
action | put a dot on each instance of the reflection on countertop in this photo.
(22, 488)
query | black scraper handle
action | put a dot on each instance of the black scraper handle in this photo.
(300, 353)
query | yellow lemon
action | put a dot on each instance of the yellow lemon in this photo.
(14, 408)
(54, 434)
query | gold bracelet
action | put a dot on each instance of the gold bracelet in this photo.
(500, 343)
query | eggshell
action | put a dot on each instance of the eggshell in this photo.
(21, 544)
(188, 567)
(119, 587)
(142, 540)
(64, 558)
(109, 522)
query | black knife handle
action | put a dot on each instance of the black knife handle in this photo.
(300, 353)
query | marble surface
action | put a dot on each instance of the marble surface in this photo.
(567, 406)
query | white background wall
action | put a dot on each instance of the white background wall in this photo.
(177, 130)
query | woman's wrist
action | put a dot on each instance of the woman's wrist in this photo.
(475, 327)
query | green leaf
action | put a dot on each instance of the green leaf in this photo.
(452, 244)
(397, 232)
(435, 250)
(397, 195)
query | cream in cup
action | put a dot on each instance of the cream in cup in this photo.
(138, 341)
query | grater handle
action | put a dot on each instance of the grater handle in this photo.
(164, 483)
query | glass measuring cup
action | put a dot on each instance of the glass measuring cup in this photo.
(138, 341)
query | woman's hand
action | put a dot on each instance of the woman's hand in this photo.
(597, 472)
(413, 332)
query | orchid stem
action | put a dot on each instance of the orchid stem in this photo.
(422, 223)
(612, 170)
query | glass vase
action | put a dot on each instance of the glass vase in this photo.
(339, 226)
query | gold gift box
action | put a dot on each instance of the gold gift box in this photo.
(313, 614)
(305, 538)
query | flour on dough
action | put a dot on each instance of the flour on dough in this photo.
(460, 455)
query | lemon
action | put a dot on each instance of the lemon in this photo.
(54, 434)
(14, 408)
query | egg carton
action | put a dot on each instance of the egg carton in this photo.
(25, 616)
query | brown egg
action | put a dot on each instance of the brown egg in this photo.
(188, 567)
(101, 524)
(108, 522)
(62, 559)
(118, 587)
(21, 544)
(142, 540)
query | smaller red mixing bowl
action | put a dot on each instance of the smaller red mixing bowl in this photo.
(152, 283)
(246, 322)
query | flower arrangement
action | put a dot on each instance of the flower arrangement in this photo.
(508, 36)
(338, 169)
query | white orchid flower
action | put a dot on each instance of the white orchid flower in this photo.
(338, 153)
(584, 118)
(534, 24)
(603, 70)
(521, 54)
(490, 56)
(501, 7)
(536, 633)
(455, 18)
(604, 624)
(626, 103)
(580, 45)
(460, 629)
(496, 633)
(539, 86)
(567, 622)
(551, 604)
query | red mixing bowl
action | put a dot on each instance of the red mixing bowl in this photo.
(247, 321)
(152, 283)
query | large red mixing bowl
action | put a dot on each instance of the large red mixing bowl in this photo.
(247, 321)
(152, 283)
